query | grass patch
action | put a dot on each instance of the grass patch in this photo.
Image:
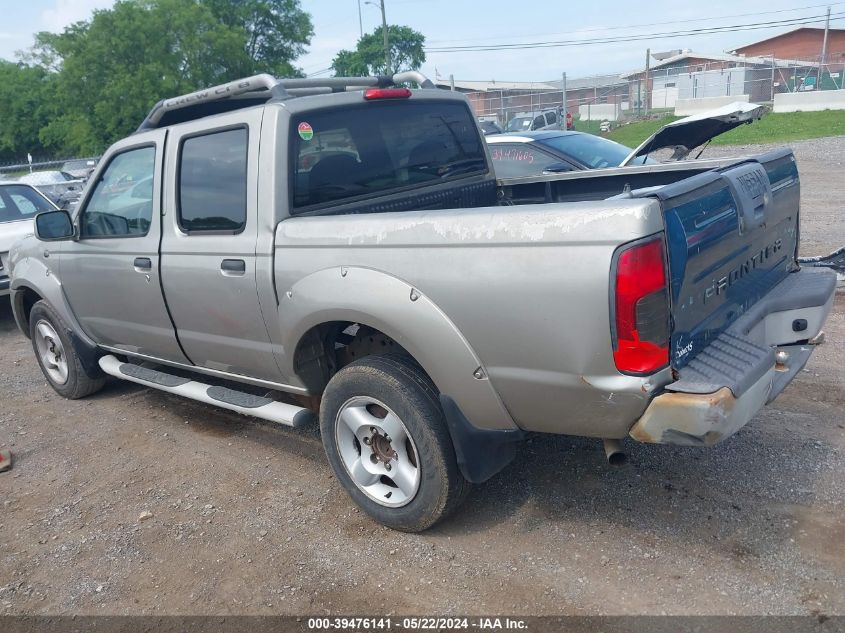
(772, 128)
(591, 127)
(635, 133)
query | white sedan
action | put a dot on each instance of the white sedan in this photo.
(19, 204)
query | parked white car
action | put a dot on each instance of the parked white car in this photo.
(19, 204)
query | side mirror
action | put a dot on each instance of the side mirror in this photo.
(556, 168)
(52, 226)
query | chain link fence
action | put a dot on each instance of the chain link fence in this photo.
(74, 165)
(664, 89)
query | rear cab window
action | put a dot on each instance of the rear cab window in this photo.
(376, 148)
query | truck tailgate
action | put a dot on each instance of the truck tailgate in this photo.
(743, 311)
(732, 236)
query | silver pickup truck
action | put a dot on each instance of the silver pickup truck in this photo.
(341, 247)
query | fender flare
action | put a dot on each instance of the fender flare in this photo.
(32, 274)
(403, 312)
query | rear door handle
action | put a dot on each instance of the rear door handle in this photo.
(143, 264)
(233, 267)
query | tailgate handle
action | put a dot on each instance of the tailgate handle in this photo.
(233, 267)
(143, 264)
(752, 192)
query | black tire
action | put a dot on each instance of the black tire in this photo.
(404, 388)
(79, 382)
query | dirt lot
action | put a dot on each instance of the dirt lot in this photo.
(246, 517)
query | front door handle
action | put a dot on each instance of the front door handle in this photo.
(143, 264)
(233, 267)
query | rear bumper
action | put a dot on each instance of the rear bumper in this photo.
(746, 367)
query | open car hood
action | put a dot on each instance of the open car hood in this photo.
(688, 133)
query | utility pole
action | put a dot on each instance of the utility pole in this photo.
(647, 66)
(823, 58)
(773, 79)
(360, 21)
(452, 83)
(386, 43)
(639, 97)
(563, 99)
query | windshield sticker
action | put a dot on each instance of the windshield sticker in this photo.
(498, 153)
(306, 132)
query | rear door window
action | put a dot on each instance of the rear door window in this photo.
(212, 182)
(592, 151)
(512, 160)
(374, 148)
(20, 203)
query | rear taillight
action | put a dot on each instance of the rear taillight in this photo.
(641, 308)
(386, 93)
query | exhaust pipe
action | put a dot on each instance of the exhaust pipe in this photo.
(613, 450)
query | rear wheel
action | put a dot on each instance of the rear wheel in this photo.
(387, 441)
(57, 357)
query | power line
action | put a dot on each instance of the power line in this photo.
(631, 38)
(650, 24)
(317, 73)
(626, 38)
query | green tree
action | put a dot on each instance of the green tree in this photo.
(276, 31)
(406, 53)
(25, 93)
(113, 68)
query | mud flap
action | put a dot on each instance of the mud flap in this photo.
(481, 453)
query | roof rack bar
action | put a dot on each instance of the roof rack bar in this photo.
(278, 89)
(381, 81)
(415, 76)
(330, 82)
(214, 93)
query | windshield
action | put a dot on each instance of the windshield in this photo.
(519, 124)
(21, 203)
(593, 151)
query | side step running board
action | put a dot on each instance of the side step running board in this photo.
(239, 401)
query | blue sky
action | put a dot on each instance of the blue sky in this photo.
(462, 22)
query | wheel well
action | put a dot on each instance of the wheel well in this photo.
(26, 298)
(326, 348)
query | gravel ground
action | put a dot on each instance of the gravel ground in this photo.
(245, 517)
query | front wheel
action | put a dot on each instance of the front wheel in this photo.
(387, 441)
(57, 357)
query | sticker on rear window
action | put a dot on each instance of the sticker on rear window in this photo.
(306, 132)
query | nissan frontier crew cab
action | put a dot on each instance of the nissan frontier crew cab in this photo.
(340, 248)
